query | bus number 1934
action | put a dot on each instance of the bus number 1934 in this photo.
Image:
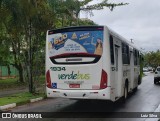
(58, 68)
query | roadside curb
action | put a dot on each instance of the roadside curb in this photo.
(12, 105)
(4, 107)
(36, 99)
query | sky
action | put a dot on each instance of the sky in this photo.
(140, 21)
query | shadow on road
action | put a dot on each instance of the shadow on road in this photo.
(96, 105)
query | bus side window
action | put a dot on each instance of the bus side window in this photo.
(125, 53)
(135, 57)
(130, 53)
(141, 58)
(111, 49)
(128, 56)
(138, 57)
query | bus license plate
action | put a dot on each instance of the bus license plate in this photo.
(74, 85)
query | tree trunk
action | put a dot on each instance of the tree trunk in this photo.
(20, 71)
(62, 21)
(21, 75)
(9, 70)
(30, 57)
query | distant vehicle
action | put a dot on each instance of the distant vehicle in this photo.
(150, 69)
(91, 62)
(157, 75)
(153, 69)
(145, 69)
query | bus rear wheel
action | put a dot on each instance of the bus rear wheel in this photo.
(125, 93)
(135, 89)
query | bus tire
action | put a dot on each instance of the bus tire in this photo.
(135, 89)
(125, 92)
(139, 80)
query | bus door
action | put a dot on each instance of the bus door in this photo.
(132, 69)
(117, 70)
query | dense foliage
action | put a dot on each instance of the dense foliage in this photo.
(23, 26)
(152, 59)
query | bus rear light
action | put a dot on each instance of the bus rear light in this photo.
(103, 83)
(48, 79)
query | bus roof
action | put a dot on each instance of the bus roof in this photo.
(72, 28)
(122, 38)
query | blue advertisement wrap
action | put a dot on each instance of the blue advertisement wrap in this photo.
(90, 42)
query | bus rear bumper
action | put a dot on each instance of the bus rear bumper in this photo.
(103, 94)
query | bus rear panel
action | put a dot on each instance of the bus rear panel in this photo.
(74, 63)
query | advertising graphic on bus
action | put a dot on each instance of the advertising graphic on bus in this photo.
(88, 42)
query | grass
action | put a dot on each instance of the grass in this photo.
(42, 79)
(20, 98)
(11, 83)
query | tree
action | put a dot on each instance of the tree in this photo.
(152, 58)
(70, 9)
(25, 38)
(84, 6)
(23, 26)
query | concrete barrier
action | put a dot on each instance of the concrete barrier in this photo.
(4, 107)
(36, 99)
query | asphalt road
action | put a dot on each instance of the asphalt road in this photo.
(146, 99)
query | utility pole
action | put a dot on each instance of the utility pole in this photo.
(132, 41)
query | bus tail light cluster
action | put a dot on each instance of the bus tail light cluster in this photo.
(48, 79)
(104, 79)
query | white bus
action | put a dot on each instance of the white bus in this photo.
(90, 62)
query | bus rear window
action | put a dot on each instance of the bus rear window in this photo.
(84, 46)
